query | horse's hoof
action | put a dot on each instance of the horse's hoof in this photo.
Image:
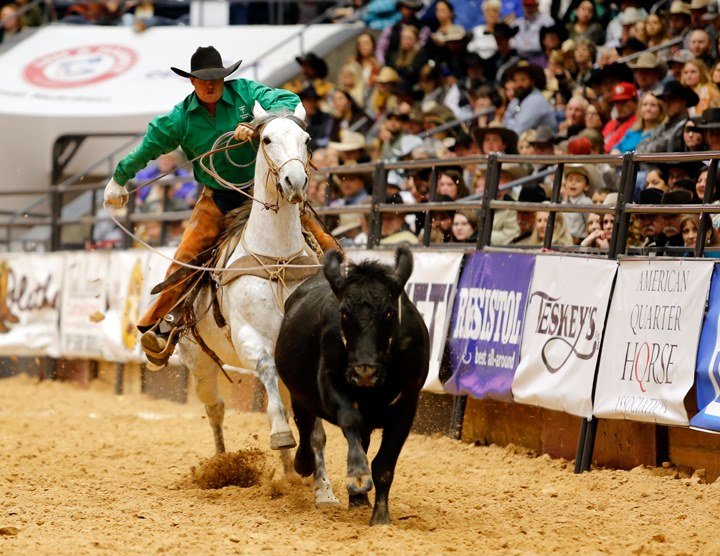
(281, 440)
(324, 499)
(360, 484)
(359, 501)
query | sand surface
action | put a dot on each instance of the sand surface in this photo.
(85, 472)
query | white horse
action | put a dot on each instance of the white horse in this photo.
(250, 304)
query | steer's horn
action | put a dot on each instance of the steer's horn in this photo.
(403, 265)
(332, 269)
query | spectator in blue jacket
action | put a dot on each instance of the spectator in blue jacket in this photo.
(529, 109)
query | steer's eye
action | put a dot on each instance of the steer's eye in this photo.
(388, 315)
(266, 140)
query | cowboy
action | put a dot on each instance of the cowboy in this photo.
(529, 109)
(214, 108)
(710, 124)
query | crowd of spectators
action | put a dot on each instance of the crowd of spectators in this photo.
(437, 79)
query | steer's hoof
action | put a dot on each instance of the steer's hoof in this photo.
(282, 440)
(359, 501)
(360, 484)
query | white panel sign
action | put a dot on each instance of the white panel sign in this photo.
(431, 288)
(83, 304)
(647, 364)
(125, 282)
(563, 331)
(30, 289)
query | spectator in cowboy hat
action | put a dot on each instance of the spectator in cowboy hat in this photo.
(676, 99)
(354, 187)
(603, 80)
(529, 109)
(506, 56)
(678, 61)
(624, 100)
(578, 184)
(383, 96)
(648, 72)
(351, 147)
(709, 123)
(313, 71)
(496, 139)
(318, 121)
(394, 229)
(525, 218)
(678, 19)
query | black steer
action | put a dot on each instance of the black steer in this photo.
(354, 350)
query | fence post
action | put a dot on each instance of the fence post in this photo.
(427, 227)
(378, 197)
(55, 214)
(617, 242)
(554, 199)
(487, 213)
(707, 199)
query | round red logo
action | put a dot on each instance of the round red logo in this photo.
(84, 65)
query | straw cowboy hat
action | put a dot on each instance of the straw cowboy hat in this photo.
(206, 65)
(387, 75)
(648, 60)
(349, 141)
(679, 7)
(583, 170)
(348, 221)
(366, 177)
(452, 33)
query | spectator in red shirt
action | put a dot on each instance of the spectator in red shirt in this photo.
(625, 101)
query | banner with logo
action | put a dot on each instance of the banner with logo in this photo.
(30, 290)
(486, 330)
(125, 281)
(84, 299)
(707, 374)
(431, 288)
(563, 331)
(647, 364)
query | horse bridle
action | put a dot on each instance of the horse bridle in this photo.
(274, 172)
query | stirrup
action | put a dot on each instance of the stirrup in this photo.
(158, 347)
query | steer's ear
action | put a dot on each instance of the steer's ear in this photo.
(403, 265)
(332, 269)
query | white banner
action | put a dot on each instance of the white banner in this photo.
(30, 289)
(562, 334)
(125, 281)
(89, 71)
(431, 288)
(647, 365)
(84, 300)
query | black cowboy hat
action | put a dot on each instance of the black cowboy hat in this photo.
(616, 70)
(314, 61)
(632, 45)
(536, 73)
(206, 64)
(509, 137)
(532, 194)
(678, 90)
(309, 93)
(557, 29)
(710, 119)
(650, 196)
(412, 4)
(545, 134)
(503, 30)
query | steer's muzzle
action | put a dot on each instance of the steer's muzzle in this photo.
(365, 375)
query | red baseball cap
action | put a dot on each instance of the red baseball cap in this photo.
(579, 145)
(623, 91)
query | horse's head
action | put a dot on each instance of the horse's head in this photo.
(283, 143)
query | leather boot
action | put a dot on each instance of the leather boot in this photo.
(325, 240)
(204, 227)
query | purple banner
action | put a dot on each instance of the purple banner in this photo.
(486, 328)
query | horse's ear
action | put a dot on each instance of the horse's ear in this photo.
(258, 111)
(300, 111)
(333, 270)
(403, 265)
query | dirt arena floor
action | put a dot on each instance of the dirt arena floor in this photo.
(85, 472)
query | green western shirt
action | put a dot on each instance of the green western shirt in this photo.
(191, 127)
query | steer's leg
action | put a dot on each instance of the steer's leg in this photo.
(252, 348)
(305, 421)
(205, 371)
(398, 422)
(324, 495)
(361, 500)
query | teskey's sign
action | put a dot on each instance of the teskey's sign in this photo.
(647, 363)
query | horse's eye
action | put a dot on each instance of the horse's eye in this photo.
(307, 141)
(266, 140)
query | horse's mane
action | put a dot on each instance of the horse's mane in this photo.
(260, 123)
